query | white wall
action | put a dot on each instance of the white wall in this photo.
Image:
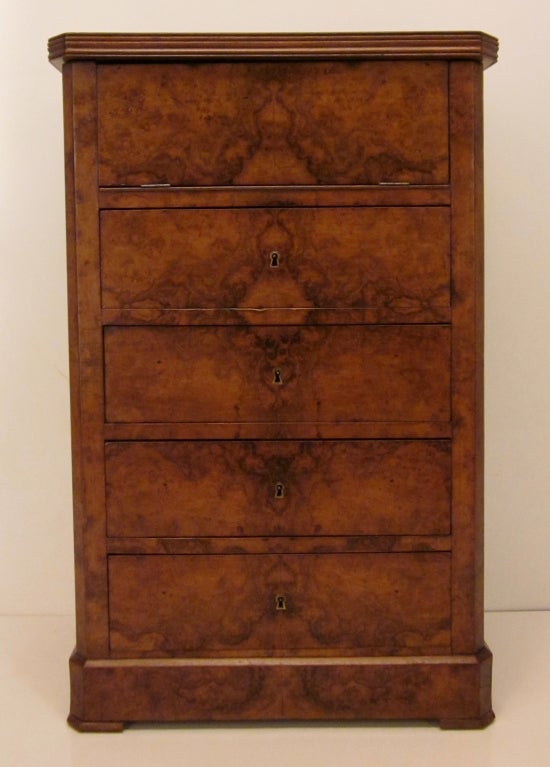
(35, 532)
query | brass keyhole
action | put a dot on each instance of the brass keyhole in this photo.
(274, 259)
(279, 490)
(280, 602)
(277, 377)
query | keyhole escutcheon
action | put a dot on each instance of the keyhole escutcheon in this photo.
(277, 377)
(274, 259)
(280, 602)
(279, 490)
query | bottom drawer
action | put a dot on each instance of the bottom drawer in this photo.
(268, 604)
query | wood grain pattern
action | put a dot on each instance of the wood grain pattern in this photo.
(388, 487)
(467, 355)
(394, 195)
(229, 373)
(274, 430)
(86, 358)
(394, 261)
(441, 688)
(360, 603)
(273, 123)
(280, 544)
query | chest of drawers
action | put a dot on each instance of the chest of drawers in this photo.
(275, 292)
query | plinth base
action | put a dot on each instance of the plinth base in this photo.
(454, 691)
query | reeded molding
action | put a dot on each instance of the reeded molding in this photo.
(475, 46)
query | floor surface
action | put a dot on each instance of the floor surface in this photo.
(34, 702)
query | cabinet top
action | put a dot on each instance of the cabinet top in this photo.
(475, 46)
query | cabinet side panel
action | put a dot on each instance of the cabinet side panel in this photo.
(467, 353)
(72, 301)
(86, 357)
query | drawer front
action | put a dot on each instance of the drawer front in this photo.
(367, 487)
(273, 374)
(268, 604)
(273, 123)
(393, 260)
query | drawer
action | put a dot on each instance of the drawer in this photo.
(364, 487)
(277, 604)
(277, 374)
(393, 260)
(273, 123)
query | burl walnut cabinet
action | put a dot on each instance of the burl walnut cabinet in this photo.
(275, 259)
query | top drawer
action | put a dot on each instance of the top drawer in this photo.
(273, 123)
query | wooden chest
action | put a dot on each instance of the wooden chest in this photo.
(275, 258)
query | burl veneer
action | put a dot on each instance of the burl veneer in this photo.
(275, 269)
